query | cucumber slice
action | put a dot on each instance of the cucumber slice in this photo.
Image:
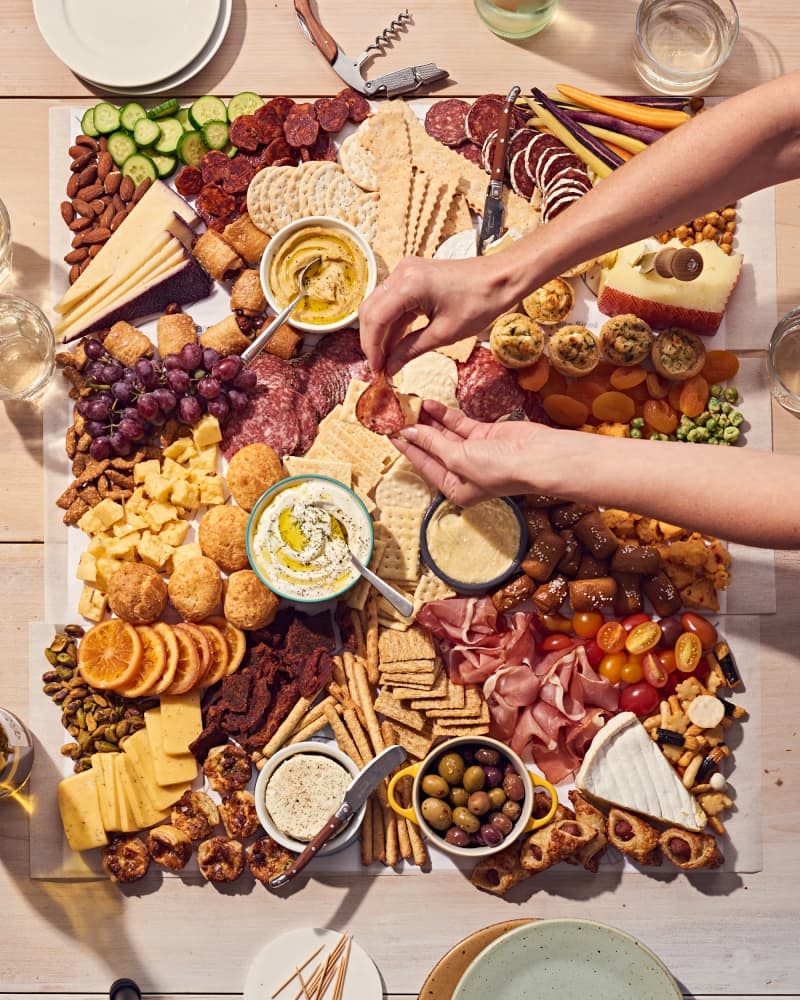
(106, 118)
(243, 104)
(207, 109)
(165, 165)
(215, 134)
(146, 132)
(129, 115)
(171, 132)
(191, 148)
(230, 151)
(87, 123)
(183, 118)
(165, 109)
(121, 146)
(138, 167)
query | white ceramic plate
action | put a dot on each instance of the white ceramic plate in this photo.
(282, 955)
(122, 45)
(170, 83)
(552, 959)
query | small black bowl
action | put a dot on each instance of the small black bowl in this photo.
(484, 586)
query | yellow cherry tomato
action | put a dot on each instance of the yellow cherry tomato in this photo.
(632, 671)
(587, 624)
(643, 637)
(611, 637)
(611, 666)
(688, 650)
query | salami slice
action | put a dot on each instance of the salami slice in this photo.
(323, 149)
(270, 123)
(482, 117)
(379, 409)
(332, 113)
(307, 424)
(486, 390)
(213, 167)
(324, 382)
(357, 104)
(273, 372)
(246, 133)
(519, 140)
(188, 181)
(344, 348)
(444, 121)
(553, 163)
(301, 129)
(239, 175)
(470, 152)
(279, 149)
(536, 148)
(270, 419)
(280, 105)
(487, 150)
(520, 180)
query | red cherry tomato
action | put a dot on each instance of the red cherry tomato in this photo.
(586, 624)
(688, 650)
(701, 627)
(632, 671)
(557, 623)
(594, 654)
(666, 657)
(611, 666)
(653, 670)
(643, 637)
(641, 699)
(550, 643)
(633, 620)
(673, 680)
(671, 628)
(611, 637)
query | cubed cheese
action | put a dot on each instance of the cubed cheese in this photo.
(174, 533)
(106, 568)
(92, 603)
(181, 449)
(185, 494)
(90, 523)
(205, 460)
(211, 491)
(87, 568)
(153, 551)
(142, 470)
(136, 502)
(132, 522)
(173, 471)
(123, 548)
(157, 487)
(108, 512)
(206, 431)
(79, 805)
(158, 514)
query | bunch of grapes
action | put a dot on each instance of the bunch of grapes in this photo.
(128, 405)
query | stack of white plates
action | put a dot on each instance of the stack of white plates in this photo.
(149, 47)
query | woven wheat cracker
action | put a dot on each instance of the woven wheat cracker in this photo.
(436, 693)
(417, 744)
(417, 664)
(401, 558)
(394, 709)
(454, 697)
(415, 645)
(473, 708)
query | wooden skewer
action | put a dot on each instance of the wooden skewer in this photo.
(338, 989)
(294, 975)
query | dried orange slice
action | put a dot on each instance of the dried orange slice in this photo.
(154, 660)
(218, 667)
(110, 654)
(235, 638)
(171, 647)
(188, 670)
(204, 650)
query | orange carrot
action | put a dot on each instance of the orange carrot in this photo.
(624, 154)
(662, 118)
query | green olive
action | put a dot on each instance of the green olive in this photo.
(451, 768)
(496, 797)
(437, 813)
(474, 778)
(459, 796)
(512, 809)
(436, 786)
(464, 819)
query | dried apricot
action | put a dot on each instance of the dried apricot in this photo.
(555, 384)
(694, 396)
(565, 411)
(719, 366)
(627, 378)
(659, 416)
(638, 393)
(614, 406)
(534, 377)
(674, 395)
(587, 389)
(657, 386)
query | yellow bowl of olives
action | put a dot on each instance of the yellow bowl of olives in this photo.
(472, 796)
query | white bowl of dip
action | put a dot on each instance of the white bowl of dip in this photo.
(300, 788)
(335, 289)
(298, 536)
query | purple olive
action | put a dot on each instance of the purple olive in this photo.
(486, 755)
(458, 838)
(502, 822)
(491, 835)
(514, 787)
(494, 776)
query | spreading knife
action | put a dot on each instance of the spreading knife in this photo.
(354, 798)
(493, 206)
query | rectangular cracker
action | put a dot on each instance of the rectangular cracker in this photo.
(302, 465)
(416, 743)
(458, 217)
(419, 187)
(411, 679)
(394, 709)
(401, 558)
(414, 645)
(427, 211)
(387, 140)
(455, 699)
(471, 711)
(432, 236)
(421, 665)
(471, 730)
(391, 623)
(438, 690)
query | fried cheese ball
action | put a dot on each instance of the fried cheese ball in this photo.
(248, 603)
(195, 588)
(251, 471)
(625, 340)
(516, 341)
(137, 594)
(220, 859)
(551, 303)
(221, 535)
(239, 816)
(266, 859)
(125, 858)
(573, 351)
(195, 814)
(169, 847)
(227, 768)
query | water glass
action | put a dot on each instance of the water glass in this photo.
(16, 754)
(27, 349)
(516, 18)
(783, 362)
(5, 243)
(681, 45)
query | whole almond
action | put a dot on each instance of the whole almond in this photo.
(76, 256)
(104, 165)
(118, 203)
(85, 140)
(83, 207)
(84, 264)
(112, 181)
(84, 157)
(141, 189)
(95, 249)
(73, 184)
(99, 234)
(98, 205)
(88, 175)
(79, 223)
(91, 191)
(106, 216)
(76, 150)
(117, 221)
(79, 240)
(126, 188)
(67, 211)
(102, 144)
(74, 272)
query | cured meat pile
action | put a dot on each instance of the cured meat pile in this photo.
(534, 159)
(545, 707)
(278, 134)
(487, 391)
(292, 397)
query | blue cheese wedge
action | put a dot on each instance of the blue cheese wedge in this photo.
(625, 768)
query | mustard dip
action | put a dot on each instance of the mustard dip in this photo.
(474, 544)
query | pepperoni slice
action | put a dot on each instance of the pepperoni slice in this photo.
(280, 105)
(332, 113)
(279, 149)
(357, 104)
(239, 175)
(482, 117)
(378, 408)
(444, 121)
(301, 129)
(323, 149)
(246, 133)
(189, 181)
(214, 166)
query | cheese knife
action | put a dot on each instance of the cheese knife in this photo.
(354, 798)
(493, 206)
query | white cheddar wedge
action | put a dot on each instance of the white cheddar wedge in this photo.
(142, 810)
(624, 767)
(137, 747)
(169, 769)
(181, 721)
(79, 805)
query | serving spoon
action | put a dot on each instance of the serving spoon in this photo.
(397, 600)
(249, 354)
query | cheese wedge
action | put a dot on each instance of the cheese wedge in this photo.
(624, 767)
(181, 721)
(127, 822)
(79, 805)
(137, 747)
(169, 769)
(103, 767)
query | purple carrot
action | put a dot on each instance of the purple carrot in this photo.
(651, 101)
(641, 132)
(600, 150)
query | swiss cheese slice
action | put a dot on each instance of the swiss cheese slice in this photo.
(625, 768)
(169, 769)
(181, 721)
(137, 747)
(79, 805)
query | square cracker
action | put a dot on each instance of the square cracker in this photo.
(415, 645)
(439, 687)
(394, 709)
(474, 708)
(466, 730)
(454, 698)
(416, 743)
(420, 665)
(401, 527)
(298, 465)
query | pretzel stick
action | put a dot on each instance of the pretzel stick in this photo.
(342, 695)
(378, 832)
(338, 670)
(372, 639)
(368, 708)
(316, 711)
(343, 738)
(350, 673)
(358, 633)
(418, 852)
(310, 729)
(284, 730)
(366, 838)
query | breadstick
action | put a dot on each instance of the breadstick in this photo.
(342, 695)
(368, 708)
(343, 738)
(418, 851)
(316, 712)
(378, 832)
(358, 633)
(366, 838)
(309, 729)
(350, 672)
(403, 840)
(284, 731)
(390, 826)
(372, 639)
(358, 734)
(338, 670)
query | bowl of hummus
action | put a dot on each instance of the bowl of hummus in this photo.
(300, 788)
(473, 549)
(300, 534)
(335, 287)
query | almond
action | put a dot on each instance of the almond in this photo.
(104, 165)
(106, 216)
(112, 181)
(141, 189)
(79, 223)
(118, 203)
(83, 207)
(67, 211)
(88, 175)
(74, 272)
(117, 221)
(126, 188)
(73, 184)
(95, 249)
(90, 191)
(98, 234)
(98, 205)
(82, 158)
(85, 140)
(76, 256)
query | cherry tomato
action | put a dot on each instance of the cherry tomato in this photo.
(633, 620)
(555, 641)
(641, 698)
(586, 624)
(643, 637)
(632, 672)
(666, 657)
(688, 650)
(594, 654)
(673, 680)
(671, 628)
(611, 637)
(611, 666)
(701, 627)
(653, 671)
(557, 623)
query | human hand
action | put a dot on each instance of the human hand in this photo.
(467, 460)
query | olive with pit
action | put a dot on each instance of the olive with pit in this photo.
(485, 755)
(513, 787)
(494, 776)
(459, 796)
(490, 835)
(474, 778)
(451, 767)
(457, 837)
(433, 784)
(437, 813)
(478, 803)
(512, 809)
(502, 822)
(464, 819)
(496, 797)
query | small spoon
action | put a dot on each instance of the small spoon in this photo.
(394, 597)
(252, 352)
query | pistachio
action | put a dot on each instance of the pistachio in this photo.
(104, 746)
(84, 739)
(51, 656)
(71, 750)
(60, 695)
(76, 681)
(99, 733)
(64, 672)
(60, 642)
(123, 728)
(73, 730)
(84, 764)
(51, 688)
(80, 717)
(67, 658)
(111, 734)
(74, 631)
(100, 700)
(91, 722)
(49, 676)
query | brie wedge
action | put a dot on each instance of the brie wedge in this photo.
(625, 768)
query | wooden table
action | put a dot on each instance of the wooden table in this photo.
(721, 934)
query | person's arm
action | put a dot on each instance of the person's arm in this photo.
(742, 145)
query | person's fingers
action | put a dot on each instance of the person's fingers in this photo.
(412, 345)
(454, 487)
(453, 420)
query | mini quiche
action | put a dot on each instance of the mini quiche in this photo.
(625, 340)
(573, 351)
(516, 341)
(551, 303)
(678, 354)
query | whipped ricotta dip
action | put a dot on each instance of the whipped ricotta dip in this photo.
(303, 794)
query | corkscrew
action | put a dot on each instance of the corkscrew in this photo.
(401, 81)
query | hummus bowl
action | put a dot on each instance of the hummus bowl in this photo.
(335, 288)
(300, 784)
(299, 536)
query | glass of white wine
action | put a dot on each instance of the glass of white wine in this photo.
(27, 349)
(516, 18)
(783, 361)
